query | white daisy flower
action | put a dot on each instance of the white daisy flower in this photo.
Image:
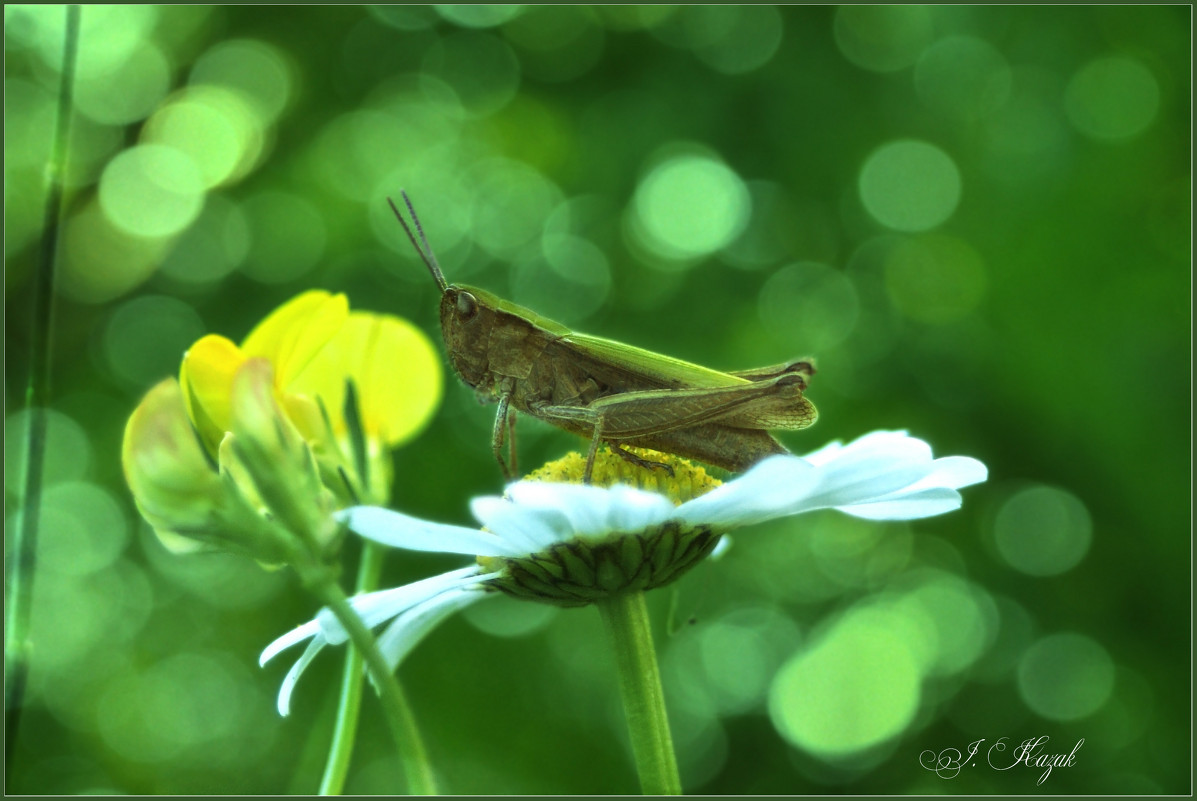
(572, 544)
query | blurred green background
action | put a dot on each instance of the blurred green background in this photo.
(977, 219)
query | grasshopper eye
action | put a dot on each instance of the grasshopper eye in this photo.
(467, 305)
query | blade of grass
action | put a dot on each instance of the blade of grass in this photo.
(20, 565)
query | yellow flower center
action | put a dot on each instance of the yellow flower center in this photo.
(583, 571)
(683, 481)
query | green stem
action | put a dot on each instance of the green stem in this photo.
(341, 750)
(20, 565)
(626, 619)
(395, 709)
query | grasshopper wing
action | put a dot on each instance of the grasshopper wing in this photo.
(644, 368)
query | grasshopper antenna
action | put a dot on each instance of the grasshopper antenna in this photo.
(425, 250)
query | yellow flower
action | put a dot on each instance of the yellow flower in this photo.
(257, 444)
(316, 345)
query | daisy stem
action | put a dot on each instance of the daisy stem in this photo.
(396, 711)
(350, 704)
(625, 617)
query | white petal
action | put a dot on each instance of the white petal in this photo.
(873, 466)
(934, 494)
(908, 506)
(522, 530)
(409, 628)
(954, 472)
(586, 508)
(633, 510)
(866, 482)
(874, 439)
(824, 454)
(295, 635)
(775, 486)
(376, 607)
(403, 531)
(721, 547)
(881, 475)
(284, 693)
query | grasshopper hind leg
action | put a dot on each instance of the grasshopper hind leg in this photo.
(597, 436)
(646, 464)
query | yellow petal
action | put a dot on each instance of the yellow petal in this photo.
(295, 332)
(305, 414)
(396, 368)
(207, 382)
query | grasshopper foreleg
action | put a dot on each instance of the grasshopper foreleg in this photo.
(596, 437)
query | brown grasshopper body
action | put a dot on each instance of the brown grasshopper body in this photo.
(611, 392)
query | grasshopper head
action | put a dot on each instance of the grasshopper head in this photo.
(466, 323)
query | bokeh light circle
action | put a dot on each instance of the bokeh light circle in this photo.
(935, 278)
(478, 16)
(1043, 531)
(963, 76)
(214, 126)
(77, 615)
(177, 704)
(151, 191)
(1026, 139)
(480, 67)
(909, 185)
(733, 39)
(287, 237)
(809, 305)
(112, 33)
(883, 38)
(556, 43)
(129, 92)
(215, 245)
(144, 338)
(953, 608)
(504, 616)
(739, 652)
(67, 449)
(89, 529)
(1065, 676)
(1112, 98)
(1015, 631)
(511, 202)
(101, 260)
(573, 279)
(259, 71)
(856, 689)
(690, 206)
(405, 18)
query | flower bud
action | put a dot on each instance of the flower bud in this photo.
(177, 488)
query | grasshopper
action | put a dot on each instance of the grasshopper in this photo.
(608, 391)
